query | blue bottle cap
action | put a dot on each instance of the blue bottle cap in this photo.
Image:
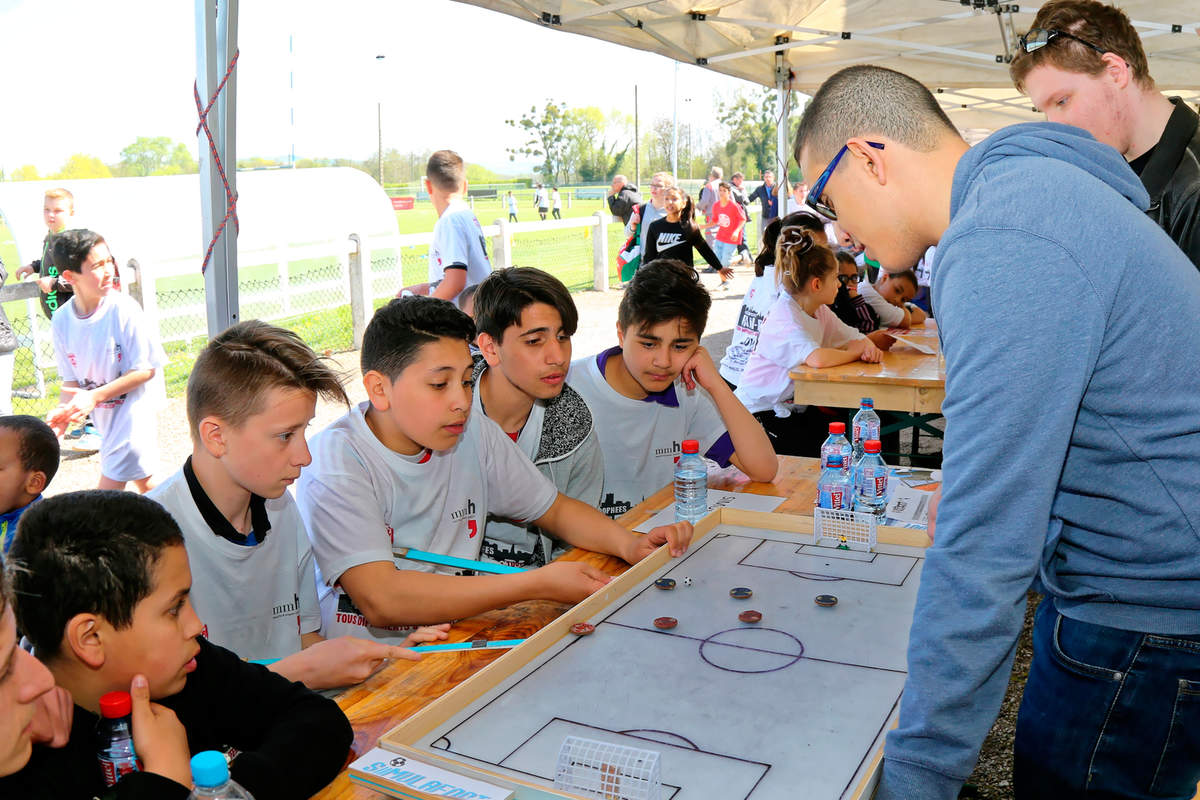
(209, 768)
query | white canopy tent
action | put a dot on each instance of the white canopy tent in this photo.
(960, 47)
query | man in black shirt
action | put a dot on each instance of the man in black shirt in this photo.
(1082, 63)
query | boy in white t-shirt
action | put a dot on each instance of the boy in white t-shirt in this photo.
(525, 318)
(891, 298)
(110, 362)
(412, 468)
(658, 386)
(250, 396)
(458, 253)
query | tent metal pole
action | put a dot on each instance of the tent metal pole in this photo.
(781, 131)
(216, 34)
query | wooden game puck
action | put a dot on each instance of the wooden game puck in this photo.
(826, 600)
(582, 628)
(665, 583)
(740, 593)
(750, 616)
(665, 623)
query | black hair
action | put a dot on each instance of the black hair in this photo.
(445, 170)
(90, 552)
(39, 450)
(71, 248)
(846, 257)
(663, 290)
(770, 235)
(399, 329)
(905, 275)
(505, 294)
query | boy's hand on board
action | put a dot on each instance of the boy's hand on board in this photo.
(677, 536)
(569, 581)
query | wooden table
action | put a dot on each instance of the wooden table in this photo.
(394, 693)
(905, 380)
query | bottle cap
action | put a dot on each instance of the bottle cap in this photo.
(867, 403)
(872, 446)
(115, 705)
(690, 446)
(835, 461)
(837, 427)
(209, 768)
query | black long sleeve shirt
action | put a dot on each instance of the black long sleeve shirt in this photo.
(292, 741)
(666, 239)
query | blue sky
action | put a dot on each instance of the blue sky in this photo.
(86, 76)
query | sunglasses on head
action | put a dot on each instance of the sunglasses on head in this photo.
(1037, 38)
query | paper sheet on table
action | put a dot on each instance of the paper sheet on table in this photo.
(908, 505)
(716, 499)
(898, 335)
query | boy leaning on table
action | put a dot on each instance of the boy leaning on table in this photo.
(254, 584)
(412, 468)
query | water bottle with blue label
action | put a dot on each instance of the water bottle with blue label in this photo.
(691, 484)
(837, 444)
(865, 425)
(833, 487)
(871, 479)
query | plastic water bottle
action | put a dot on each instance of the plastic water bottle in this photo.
(833, 487)
(870, 488)
(865, 425)
(691, 484)
(114, 737)
(210, 773)
(837, 444)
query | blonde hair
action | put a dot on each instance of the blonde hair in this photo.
(61, 194)
(799, 258)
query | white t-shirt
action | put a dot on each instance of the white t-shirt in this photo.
(95, 351)
(641, 438)
(786, 338)
(924, 267)
(254, 600)
(360, 500)
(759, 298)
(889, 315)
(540, 198)
(556, 198)
(458, 242)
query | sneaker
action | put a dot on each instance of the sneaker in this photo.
(724, 285)
(83, 440)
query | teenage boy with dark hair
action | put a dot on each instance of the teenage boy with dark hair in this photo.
(659, 386)
(526, 318)
(110, 362)
(29, 454)
(412, 468)
(458, 254)
(102, 582)
(254, 581)
(1082, 63)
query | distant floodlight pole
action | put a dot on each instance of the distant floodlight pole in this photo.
(292, 100)
(379, 122)
(637, 156)
(675, 125)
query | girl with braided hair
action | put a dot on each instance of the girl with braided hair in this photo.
(800, 328)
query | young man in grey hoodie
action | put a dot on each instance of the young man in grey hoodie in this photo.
(1072, 450)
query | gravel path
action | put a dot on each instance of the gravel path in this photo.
(992, 779)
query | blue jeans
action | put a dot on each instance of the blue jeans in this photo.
(724, 251)
(1107, 714)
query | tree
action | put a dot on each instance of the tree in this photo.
(750, 126)
(156, 155)
(26, 172)
(83, 166)
(549, 139)
(592, 156)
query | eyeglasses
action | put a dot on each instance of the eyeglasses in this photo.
(813, 200)
(1037, 38)
(846, 280)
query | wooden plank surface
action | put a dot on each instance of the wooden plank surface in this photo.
(905, 380)
(401, 689)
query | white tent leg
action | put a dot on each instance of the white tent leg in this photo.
(216, 44)
(781, 130)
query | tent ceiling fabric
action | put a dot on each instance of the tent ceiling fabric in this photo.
(941, 43)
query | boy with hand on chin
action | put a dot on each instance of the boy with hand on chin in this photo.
(255, 585)
(413, 468)
(103, 583)
(658, 386)
(110, 362)
(526, 318)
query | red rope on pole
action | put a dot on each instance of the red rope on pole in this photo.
(230, 196)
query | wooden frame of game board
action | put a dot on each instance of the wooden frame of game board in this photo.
(402, 738)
